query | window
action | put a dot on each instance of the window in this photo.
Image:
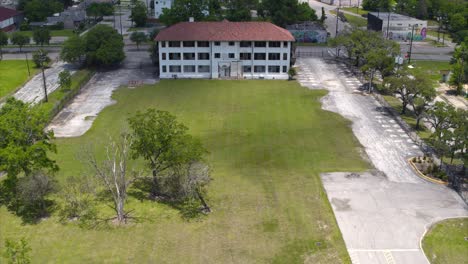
(203, 44)
(274, 56)
(217, 43)
(274, 69)
(164, 69)
(174, 56)
(203, 68)
(245, 56)
(189, 56)
(174, 68)
(260, 44)
(246, 44)
(274, 44)
(285, 44)
(163, 44)
(231, 43)
(164, 56)
(260, 56)
(189, 68)
(247, 69)
(285, 69)
(174, 44)
(259, 68)
(217, 55)
(189, 44)
(231, 55)
(285, 56)
(203, 56)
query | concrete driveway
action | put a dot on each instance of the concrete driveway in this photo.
(382, 214)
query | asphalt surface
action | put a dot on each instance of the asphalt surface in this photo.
(383, 214)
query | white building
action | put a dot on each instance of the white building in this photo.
(9, 19)
(226, 50)
(159, 5)
(399, 27)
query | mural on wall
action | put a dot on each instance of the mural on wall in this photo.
(309, 36)
(419, 34)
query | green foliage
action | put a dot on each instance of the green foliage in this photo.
(103, 46)
(374, 5)
(286, 12)
(3, 42)
(139, 14)
(292, 72)
(40, 58)
(41, 36)
(17, 38)
(240, 10)
(99, 10)
(73, 49)
(17, 252)
(459, 75)
(138, 38)
(39, 10)
(190, 209)
(77, 200)
(182, 10)
(65, 79)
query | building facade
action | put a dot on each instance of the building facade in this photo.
(10, 19)
(159, 5)
(224, 50)
(399, 27)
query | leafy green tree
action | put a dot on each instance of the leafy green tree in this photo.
(374, 5)
(138, 38)
(457, 22)
(32, 194)
(99, 10)
(422, 9)
(103, 46)
(377, 60)
(439, 117)
(182, 10)
(239, 10)
(77, 200)
(19, 39)
(421, 100)
(17, 252)
(3, 42)
(40, 58)
(65, 79)
(73, 49)
(39, 10)
(286, 12)
(164, 143)
(459, 75)
(41, 36)
(139, 14)
(457, 137)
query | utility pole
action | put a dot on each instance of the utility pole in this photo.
(120, 15)
(411, 44)
(27, 63)
(337, 16)
(42, 59)
(388, 23)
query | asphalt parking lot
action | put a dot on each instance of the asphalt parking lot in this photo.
(384, 213)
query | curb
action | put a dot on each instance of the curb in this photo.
(424, 177)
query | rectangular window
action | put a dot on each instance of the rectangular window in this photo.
(274, 69)
(285, 44)
(247, 69)
(260, 56)
(231, 43)
(189, 68)
(285, 69)
(164, 56)
(274, 56)
(174, 68)
(285, 56)
(189, 56)
(189, 44)
(246, 44)
(217, 43)
(217, 55)
(231, 55)
(274, 44)
(203, 56)
(245, 56)
(164, 69)
(259, 68)
(203, 44)
(203, 68)
(174, 44)
(174, 56)
(260, 44)
(163, 44)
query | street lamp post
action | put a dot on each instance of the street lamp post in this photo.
(27, 63)
(411, 43)
(388, 23)
(42, 59)
(337, 16)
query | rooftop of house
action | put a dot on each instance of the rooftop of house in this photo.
(224, 31)
(394, 16)
(6, 13)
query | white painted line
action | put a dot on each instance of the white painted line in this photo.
(383, 250)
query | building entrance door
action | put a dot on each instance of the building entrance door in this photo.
(225, 71)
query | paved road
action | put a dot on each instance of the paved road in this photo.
(382, 215)
(330, 22)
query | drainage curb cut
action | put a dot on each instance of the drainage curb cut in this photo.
(424, 177)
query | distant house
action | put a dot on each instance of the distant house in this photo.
(399, 27)
(10, 19)
(159, 5)
(70, 18)
(225, 50)
(308, 32)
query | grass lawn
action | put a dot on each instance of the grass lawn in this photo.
(353, 20)
(431, 69)
(53, 33)
(13, 73)
(445, 242)
(268, 142)
(360, 11)
(434, 34)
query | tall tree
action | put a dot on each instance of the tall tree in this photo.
(239, 10)
(3, 42)
(41, 36)
(422, 9)
(73, 49)
(39, 10)
(459, 61)
(139, 14)
(182, 10)
(19, 39)
(103, 46)
(163, 142)
(138, 38)
(374, 5)
(286, 12)
(420, 100)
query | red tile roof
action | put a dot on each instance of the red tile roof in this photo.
(6, 13)
(224, 31)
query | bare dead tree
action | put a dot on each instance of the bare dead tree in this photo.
(198, 177)
(113, 173)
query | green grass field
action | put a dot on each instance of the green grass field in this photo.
(268, 143)
(13, 73)
(355, 10)
(446, 242)
(353, 20)
(431, 69)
